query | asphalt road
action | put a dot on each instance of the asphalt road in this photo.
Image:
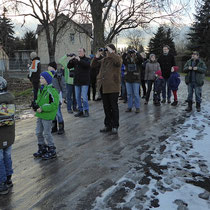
(88, 162)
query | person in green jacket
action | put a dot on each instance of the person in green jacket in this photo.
(195, 69)
(46, 107)
(69, 79)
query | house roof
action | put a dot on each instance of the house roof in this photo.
(87, 27)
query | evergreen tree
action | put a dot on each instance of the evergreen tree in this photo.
(6, 34)
(161, 38)
(30, 40)
(200, 31)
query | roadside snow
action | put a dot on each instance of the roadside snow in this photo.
(175, 178)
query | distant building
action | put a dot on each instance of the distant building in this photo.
(4, 61)
(72, 37)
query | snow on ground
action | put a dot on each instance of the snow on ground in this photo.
(174, 177)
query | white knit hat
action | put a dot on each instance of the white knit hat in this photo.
(33, 55)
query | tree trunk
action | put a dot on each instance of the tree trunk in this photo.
(96, 11)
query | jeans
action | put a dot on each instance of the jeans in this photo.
(59, 115)
(168, 90)
(70, 101)
(43, 132)
(111, 110)
(133, 94)
(5, 164)
(82, 91)
(123, 89)
(198, 91)
(149, 89)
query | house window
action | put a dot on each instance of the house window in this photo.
(72, 38)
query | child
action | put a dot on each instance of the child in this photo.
(158, 86)
(58, 83)
(174, 81)
(46, 107)
(7, 136)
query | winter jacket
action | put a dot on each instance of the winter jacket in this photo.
(7, 121)
(132, 68)
(94, 70)
(48, 101)
(158, 84)
(81, 70)
(166, 62)
(68, 73)
(109, 74)
(199, 73)
(35, 70)
(58, 82)
(151, 68)
(174, 81)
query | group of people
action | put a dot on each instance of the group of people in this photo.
(111, 73)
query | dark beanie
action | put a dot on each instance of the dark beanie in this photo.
(53, 64)
(112, 47)
(48, 76)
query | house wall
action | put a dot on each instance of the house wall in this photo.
(64, 44)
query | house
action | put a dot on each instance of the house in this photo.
(72, 37)
(4, 61)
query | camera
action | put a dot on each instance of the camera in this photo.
(103, 49)
(34, 106)
(131, 51)
(71, 54)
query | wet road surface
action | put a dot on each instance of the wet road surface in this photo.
(88, 162)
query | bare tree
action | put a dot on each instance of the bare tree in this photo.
(135, 39)
(47, 12)
(110, 17)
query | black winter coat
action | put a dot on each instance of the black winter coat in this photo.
(166, 62)
(158, 85)
(81, 70)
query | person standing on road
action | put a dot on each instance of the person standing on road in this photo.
(7, 136)
(132, 61)
(109, 80)
(166, 61)
(34, 73)
(195, 69)
(174, 81)
(81, 65)
(46, 107)
(151, 67)
(143, 66)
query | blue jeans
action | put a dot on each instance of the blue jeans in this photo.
(82, 91)
(164, 90)
(198, 91)
(59, 115)
(5, 164)
(133, 94)
(71, 102)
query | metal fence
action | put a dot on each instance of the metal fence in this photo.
(18, 65)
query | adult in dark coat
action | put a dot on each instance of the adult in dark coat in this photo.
(34, 72)
(109, 80)
(166, 61)
(81, 65)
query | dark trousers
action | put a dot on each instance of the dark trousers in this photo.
(149, 88)
(143, 84)
(93, 86)
(111, 110)
(35, 89)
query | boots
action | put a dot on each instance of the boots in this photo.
(51, 153)
(3, 188)
(86, 113)
(174, 103)
(198, 107)
(9, 181)
(54, 126)
(42, 149)
(189, 108)
(61, 128)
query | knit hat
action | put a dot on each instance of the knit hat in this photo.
(112, 47)
(158, 72)
(53, 65)
(176, 68)
(33, 55)
(48, 76)
(3, 84)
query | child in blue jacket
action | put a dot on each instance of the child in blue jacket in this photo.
(174, 81)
